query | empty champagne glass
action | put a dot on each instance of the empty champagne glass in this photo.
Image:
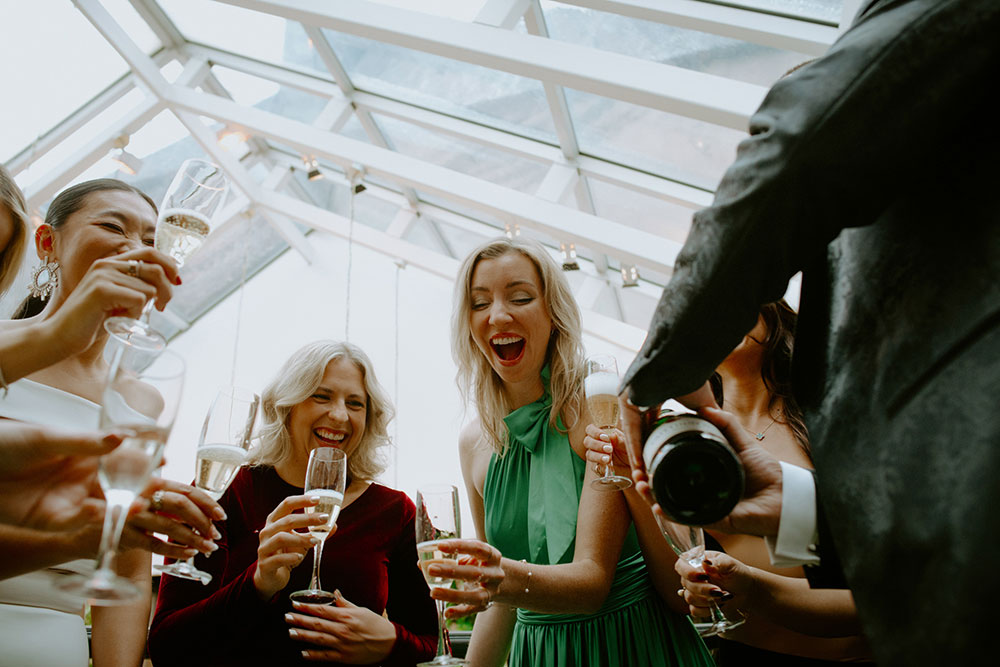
(688, 542)
(600, 386)
(194, 196)
(222, 449)
(139, 402)
(437, 519)
(326, 477)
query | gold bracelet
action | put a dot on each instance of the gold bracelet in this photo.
(527, 584)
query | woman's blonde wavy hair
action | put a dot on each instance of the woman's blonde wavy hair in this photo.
(477, 379)
(11, 256)
(298, 378)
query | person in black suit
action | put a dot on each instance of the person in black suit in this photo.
(872, 170)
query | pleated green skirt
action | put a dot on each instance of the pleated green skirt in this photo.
(642, 633)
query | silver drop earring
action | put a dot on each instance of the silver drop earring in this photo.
(44, 279)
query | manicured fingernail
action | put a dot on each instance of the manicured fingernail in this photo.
(707, 562)
(322, 517)
(289, 617)
(609, 448)
(177, 280)
(314, 540)
(716, 593)
(220, 514)
(435, 570)
(216, 535)
(605, 459)
(605, 437)
(190, 553)
(211, 546)
(305, 654)
(314, 499)
(297, 605)
(293, 633)
(727, 596)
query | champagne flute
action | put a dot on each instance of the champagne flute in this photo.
(140, 402)
(688, 542)
(222, 449)
(437, 519)
(600, 386)
(185, 219)
(326, 477)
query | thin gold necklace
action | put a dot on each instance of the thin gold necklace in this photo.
(759, 435)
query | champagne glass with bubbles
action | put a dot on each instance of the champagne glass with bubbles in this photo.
(688, 542)
(222, 449)
(600, 386)
(194, 196)
(438, 519)
(139, 402)
(326, 477)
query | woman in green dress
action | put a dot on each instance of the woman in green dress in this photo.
(562, 576)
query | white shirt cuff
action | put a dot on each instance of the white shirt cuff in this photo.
(796, 540)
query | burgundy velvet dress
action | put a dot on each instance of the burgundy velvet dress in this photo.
(371, 559)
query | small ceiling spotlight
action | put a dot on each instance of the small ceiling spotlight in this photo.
(630, 275)
(127, 163)
(233, 139)
(355, 173)
(314, 174)
(511, 230)
(569, 262)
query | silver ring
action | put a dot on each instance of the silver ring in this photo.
(156, 502)
(133, 268)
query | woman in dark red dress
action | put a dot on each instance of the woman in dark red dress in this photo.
(326, 395)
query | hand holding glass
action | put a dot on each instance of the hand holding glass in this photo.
(688, 542)
(140, 402)
(185, 219)
(326, 477)
(600, 386)
(438, 519)
(222, 449)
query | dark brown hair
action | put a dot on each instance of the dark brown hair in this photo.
(776, 367)
(66, 203)
(10, 257)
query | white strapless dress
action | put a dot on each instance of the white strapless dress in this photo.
(39, 625)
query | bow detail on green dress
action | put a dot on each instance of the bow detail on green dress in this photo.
(553, 496)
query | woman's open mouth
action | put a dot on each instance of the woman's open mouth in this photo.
(329, 438)
(508, 348)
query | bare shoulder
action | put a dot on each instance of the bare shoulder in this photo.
(578, 429)
(475, 454)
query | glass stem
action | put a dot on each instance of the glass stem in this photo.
(608, 468)
(147, 310)
(114, 523)
(317, 557)
(444, 641)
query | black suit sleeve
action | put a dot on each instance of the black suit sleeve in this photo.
(829, 148)
(829, 573)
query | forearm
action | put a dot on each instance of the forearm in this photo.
(788, 601)
(30, 347)
(491, 636)
(119, 633)
(577, 587)
(656, 552)
(23, 550)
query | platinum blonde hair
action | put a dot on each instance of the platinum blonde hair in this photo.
(11, 256)
(298, 378)
(477, 379)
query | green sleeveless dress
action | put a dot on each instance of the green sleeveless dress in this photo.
(531, 496)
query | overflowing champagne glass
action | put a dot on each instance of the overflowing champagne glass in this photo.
(222, 449)
(326, 477)
(139, 402)
(194, 196)
(438, 519)
(688, 542)
(600, 386)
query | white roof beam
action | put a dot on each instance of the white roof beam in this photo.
(557, 182)
(79, 118)
(639, 181)
(554, 94)
(159, 22)
(706, 97)
(780, 32)
(502, 13)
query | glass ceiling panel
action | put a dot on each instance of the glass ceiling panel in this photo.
(676, 147)
(822, 10)
(466, 157)
(479, 94)
(649, 214)
(252, 91)
(690, 49)
(462, 10)
(49, 84)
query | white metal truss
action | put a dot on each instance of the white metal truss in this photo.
(488, 42)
